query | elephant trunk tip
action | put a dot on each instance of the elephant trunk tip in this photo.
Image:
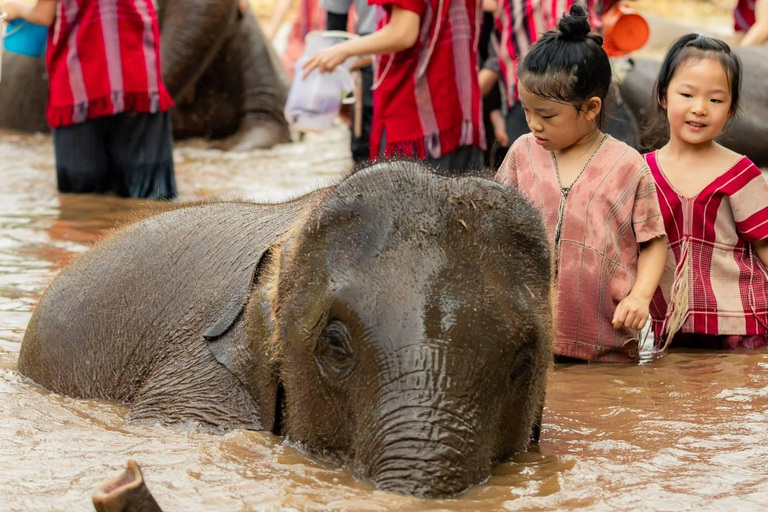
(126, 493)
(429, 479)
(432, 488)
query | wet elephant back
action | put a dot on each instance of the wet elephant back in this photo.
(142, 299)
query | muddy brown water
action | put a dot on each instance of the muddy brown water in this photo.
(686, 432)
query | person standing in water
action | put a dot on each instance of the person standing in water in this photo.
(596, 196)
(107, 104)
(426, 100)
(714, 291)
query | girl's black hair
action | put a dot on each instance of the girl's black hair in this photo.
(568, 64)
(686, 48)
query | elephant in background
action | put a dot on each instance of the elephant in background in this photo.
(398, 323)
(748, 135)
(223, 76)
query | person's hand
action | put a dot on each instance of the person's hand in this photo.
(499, 127)
(326, 59)
(632, 312)
(14, 10)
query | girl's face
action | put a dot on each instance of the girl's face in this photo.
(557, 125)
(698, 101)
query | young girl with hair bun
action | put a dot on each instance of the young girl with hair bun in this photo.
(714, 291)
(596, 196)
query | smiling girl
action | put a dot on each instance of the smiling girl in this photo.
(714, 291)
(596, 196)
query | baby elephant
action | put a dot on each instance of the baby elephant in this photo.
(398, 323)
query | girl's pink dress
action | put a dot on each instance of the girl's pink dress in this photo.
(609, 210)
(714, 283)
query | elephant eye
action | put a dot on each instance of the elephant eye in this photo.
(333, 353)
(336, 338)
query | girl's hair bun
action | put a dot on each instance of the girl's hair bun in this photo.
(575, 24)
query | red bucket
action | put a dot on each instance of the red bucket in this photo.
(624, 30)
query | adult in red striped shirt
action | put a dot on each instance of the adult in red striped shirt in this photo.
(426, 100)
(107, 104)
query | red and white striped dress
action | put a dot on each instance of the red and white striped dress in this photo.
(427, 98)
(714, 280)
(103, 58)
(522, 22)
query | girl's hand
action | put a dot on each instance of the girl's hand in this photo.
(632, 312)
(326, 60)
(499, 127)
(14, 10)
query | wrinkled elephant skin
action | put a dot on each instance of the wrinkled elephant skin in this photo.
(747, 135)
(223, 76)
(397, 323)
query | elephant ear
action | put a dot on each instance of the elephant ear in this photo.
(242, 346)
(235, 307)
(231, 314)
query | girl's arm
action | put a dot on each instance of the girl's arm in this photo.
(42, 13)
(757, 33)
(399, 34)
(761, 248)
(632, 312)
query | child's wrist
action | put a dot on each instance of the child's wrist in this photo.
(640, 296)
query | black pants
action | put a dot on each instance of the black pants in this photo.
(130, 154)
(361, 146)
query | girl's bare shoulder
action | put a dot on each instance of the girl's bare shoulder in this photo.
(725, 158)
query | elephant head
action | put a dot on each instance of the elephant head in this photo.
(405, 324)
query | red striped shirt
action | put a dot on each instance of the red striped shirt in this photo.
(709, 239)
(744, 15)
(427, 98)
(521, 23)
(103, 58)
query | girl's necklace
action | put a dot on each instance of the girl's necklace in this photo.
(564, 193)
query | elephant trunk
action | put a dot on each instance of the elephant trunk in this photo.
(193, 31)
(427, 453)
(429, 434)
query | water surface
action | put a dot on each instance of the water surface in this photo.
(687, 432)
